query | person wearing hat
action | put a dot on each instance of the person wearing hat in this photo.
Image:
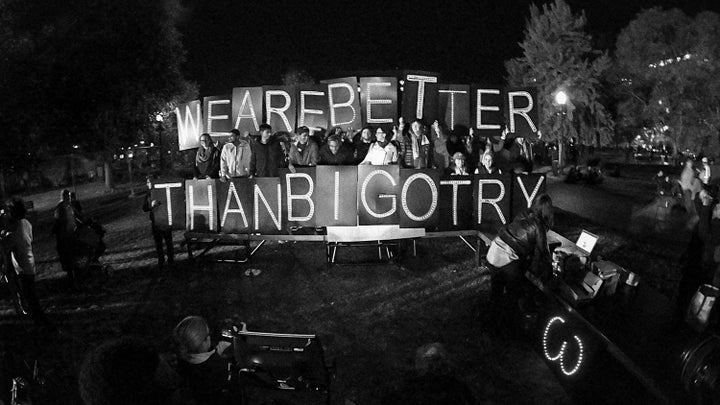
(235, 157)
(458, 168)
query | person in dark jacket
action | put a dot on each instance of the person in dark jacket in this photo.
(64, 230)
(361, 143)
(336, 152)
(203, 368)
(517, 246)
(159, 234)
(207, 160)
(267, 155)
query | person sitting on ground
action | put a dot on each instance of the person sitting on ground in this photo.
(202, 366)
(335, 152)
(304, 152)
(434, 383)
(235, 157)
(382, 151)
(458, 167)
(126, 371)
(207, 159)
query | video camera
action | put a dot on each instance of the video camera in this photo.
(279, 361)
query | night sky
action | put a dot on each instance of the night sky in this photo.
(232, 43)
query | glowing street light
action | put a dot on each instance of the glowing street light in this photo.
(561, 97)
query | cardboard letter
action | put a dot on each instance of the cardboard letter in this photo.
(217, 115)
(280, 107)
(379, 100)
(189, 125)
(171, 212)
(377, 192)
(247, 108)
(200, 205)
(344, 103)
(419, 198)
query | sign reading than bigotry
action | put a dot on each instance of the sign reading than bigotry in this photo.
(350, 103)
(346, 196)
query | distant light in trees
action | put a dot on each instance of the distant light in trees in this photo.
(561, 98)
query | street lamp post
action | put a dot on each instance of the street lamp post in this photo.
(159, 128)
(561, 98)
(129, 157)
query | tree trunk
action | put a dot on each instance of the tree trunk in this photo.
(108, 174)
(2, 183)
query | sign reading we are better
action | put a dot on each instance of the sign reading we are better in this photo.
(346, 196)
(350, 102)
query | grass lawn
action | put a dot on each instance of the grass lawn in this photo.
(371, 318)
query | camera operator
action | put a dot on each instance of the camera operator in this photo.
(205, 369)
(518, 245)
(20, 244)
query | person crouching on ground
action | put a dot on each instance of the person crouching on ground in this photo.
(511, 254)
(202, 367)
(159, 233)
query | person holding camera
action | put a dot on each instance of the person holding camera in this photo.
(204, 368)
(159, 234)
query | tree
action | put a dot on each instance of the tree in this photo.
(558, 55)
(89, 73)
(667, 78)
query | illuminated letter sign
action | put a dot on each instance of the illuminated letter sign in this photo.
(456, 200)
(299, 189)
(200, 207)
(569, 354)
(344, 103)
(189, 125)
(419, 197)
(285, 109)
(171, 212)
(420, 96)
(520, 103)
(379, 100)
(377, 193)
(336, 195)
(454, 105)
(217, 115)
(313, 106)
(247, 108)
(490, 191)
(237, 205)
(267, 194)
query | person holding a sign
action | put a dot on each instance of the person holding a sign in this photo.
(517, 246)
(458, 167)
(304, 152)
(235, 157)
(361, 143)
(159, 234)
(488, 165)
(335, 152)
(382, 151)
(267, 154)
(416, 150)
(207, 159)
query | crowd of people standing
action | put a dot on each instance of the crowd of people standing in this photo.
(417, 145)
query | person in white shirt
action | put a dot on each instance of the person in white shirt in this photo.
(382, 151)
(705, 173)
(235, 157)
(23, 259)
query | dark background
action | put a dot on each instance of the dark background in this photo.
(231, 43)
